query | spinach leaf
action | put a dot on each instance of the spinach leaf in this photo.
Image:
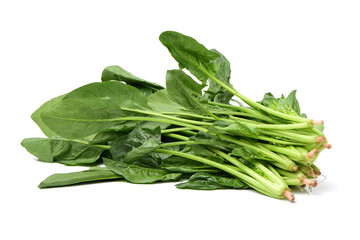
(36, 116)
(246, 152)
(215, 92)
(211, 140)
(207, 181)
(119, 74)
(279, 104)
(124, 95)
(234, 129)
(185, 165)
(138, 144)
(293, 102)
(80, 117)
(93, 108)
(137, 174)
(190, 54)
(65, 151)
(161, 102)
(183, 90)
(90, 175)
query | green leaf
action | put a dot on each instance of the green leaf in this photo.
(214, 141)
(138, 174)
(215, 92)
(278, 104)
(207, 181)
(185, 165)
(119, 74)
(190, 54)
(65, 151)
(91, 175)
(126, 96)
(293, 102)
(234, 129)
(81, 117)
(183, 90)
(93, 108)
(246, 152)
(138, 144)
(161, 102)
(36, 116)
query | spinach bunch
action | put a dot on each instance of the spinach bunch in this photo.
(129, 129)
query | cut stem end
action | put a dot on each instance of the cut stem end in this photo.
(289, 195)
(309, 182)
(318, 122)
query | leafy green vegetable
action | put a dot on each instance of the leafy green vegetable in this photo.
(91, 175)
(144, 133)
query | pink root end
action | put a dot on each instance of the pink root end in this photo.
(312, 153)
(289, 196)
(318, 173)
(295, 168)
(327, 145)
(310, 182)
(318, 122)
(320, 139)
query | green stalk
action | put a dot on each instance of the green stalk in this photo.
(250, 181)
(274, 188)
(188, 115)
(168, 117)
(293, 153)
(290, 135)
(171, 144)
(252, 103)
(273, 177)
(170, 130)
(177, 136)
(251, 112)
(150, 119)
(283, 162)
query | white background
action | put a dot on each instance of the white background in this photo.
(48, 48)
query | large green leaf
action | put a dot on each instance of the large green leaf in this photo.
(190, 54)
(161, 102)
(118, 73)
(81, 117)
(91, 175)
(124, 95)
(68, 152)
(137, 174)
(207, 181)
(215, 92)
(93, 108)
(36, 116)
(183, 90)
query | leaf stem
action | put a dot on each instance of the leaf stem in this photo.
(249, 180)
(252, 103)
